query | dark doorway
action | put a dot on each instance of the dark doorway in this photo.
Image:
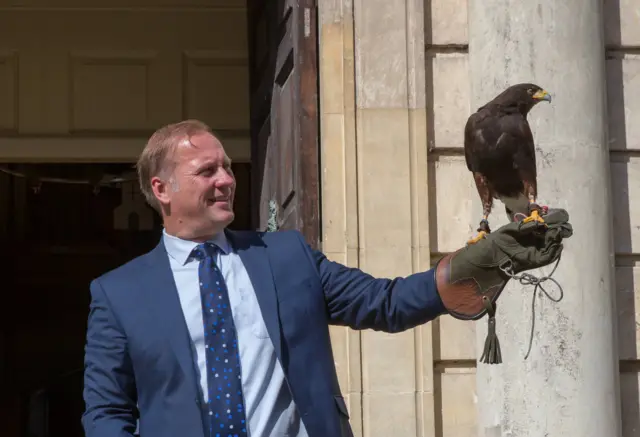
(56, 237)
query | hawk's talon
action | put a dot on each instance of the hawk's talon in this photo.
(480, 236)
(535, 216)
(484, 226)
(483, 230)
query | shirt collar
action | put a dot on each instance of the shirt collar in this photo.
(180, 250)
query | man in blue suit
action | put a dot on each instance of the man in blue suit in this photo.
(217, 333)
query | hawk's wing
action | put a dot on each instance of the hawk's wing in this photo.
(518, 140)
(496, 142)
(475, 146)
(481, 135)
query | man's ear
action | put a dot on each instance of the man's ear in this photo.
(161, 190)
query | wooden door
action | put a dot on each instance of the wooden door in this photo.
(284, 114)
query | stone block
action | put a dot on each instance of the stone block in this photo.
(334, 183)
(628, 306)
(451, 189)
(621, 18)
(332, 68)
(450, 106)
(354, 406)
(388, 362)
(630, 403)
(381, 57)
(341, 352)
(448, 22)
(625, 183)
(457, 339)
(427, 414)
(384, 192)
(623, 89)
(389, 414)
(459, 409)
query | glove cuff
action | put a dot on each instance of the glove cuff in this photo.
(468, 293)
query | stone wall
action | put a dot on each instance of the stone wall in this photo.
(380, 110)
(622, 34)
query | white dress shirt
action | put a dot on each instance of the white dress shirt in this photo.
(269, 407)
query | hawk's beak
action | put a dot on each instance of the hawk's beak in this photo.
(542, 95)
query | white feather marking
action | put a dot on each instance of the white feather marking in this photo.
(499, 138)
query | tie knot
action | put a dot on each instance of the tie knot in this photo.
(204, 250)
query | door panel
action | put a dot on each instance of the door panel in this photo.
(115, 74)
(284, 125)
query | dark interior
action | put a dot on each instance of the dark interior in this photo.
(55, 240)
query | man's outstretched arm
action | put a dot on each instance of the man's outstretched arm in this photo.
(358, 300)
(109, 386)
(464, 284)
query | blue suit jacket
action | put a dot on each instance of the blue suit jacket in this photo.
(138, 357)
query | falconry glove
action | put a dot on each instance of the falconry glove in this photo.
(471, 279)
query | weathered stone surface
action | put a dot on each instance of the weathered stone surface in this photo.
(450, 105)
(625, 182)
(459, 403)
(628, 301)
(448, 24)
(457, 339)
(385, 80)
(392, 228)
(623, 89)
(381, 57)
(451, 191)
(621, 18)
(630, 399)
(389, 414)
(568, 386)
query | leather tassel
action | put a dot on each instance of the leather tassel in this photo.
(492, 353)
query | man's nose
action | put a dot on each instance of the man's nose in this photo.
(225, 178)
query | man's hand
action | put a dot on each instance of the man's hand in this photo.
(471, 279)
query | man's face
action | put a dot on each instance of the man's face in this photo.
(200, 192)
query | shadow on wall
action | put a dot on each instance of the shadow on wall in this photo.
(433, 225)
(625, 260)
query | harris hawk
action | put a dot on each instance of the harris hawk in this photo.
(500, 153)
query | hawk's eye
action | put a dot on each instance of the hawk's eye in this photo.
(530, 91)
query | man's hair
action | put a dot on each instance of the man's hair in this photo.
(157, 157)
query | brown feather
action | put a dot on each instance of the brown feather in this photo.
(499, 147)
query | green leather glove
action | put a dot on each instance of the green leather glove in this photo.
(471, 279)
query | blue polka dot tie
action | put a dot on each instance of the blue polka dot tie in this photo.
(225, 409)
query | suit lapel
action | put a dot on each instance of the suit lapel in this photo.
(162, 297)
(253, 253)
(163, 301)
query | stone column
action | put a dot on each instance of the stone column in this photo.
(569, 384)
(339, 179)
(393, 221)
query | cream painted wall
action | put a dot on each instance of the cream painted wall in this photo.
(89, 80)
(396, 195)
